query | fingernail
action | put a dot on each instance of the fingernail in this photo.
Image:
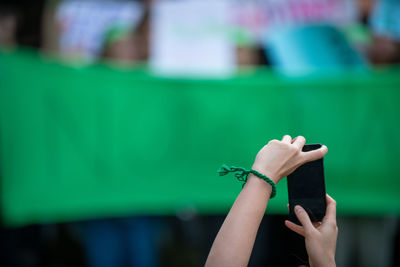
(298, 208)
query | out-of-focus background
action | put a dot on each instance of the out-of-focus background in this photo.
(115, 116)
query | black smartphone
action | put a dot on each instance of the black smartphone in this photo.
(306, 187)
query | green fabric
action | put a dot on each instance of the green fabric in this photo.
(95, 141)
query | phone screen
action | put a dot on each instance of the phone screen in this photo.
(306, 187)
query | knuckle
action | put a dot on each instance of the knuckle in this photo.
(333, 225)
(273, 141)
(294, 149)
(302, 138)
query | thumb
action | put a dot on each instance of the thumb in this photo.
(303, 218)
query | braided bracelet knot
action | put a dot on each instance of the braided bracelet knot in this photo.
(242, 175)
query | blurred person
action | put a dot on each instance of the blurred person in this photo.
(385, 26)
(8, 26)
(115, 31)
(369, 241)
(366, 241)
(384, 51)
(127, 45)
(121, 242)
(78, 30)
(300, 50)
(235, 239)
(20, 23)
(365, 8)
(303, 37)
(250, 56)
(130, 241)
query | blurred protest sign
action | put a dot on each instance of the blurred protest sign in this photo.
(192, 38)
(84, 25)
(259, 17)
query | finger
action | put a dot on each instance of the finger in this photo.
(315, 154)
(303, 218)
(330, 209)
(287, 139)
(294, 227)
(299, 141)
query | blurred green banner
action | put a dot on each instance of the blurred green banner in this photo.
(87, 142)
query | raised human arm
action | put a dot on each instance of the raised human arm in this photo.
(235, 239)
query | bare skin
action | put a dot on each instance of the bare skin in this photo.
(320, 237)
(235, 239)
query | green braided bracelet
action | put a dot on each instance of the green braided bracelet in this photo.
(242, 175)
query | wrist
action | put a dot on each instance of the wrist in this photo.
(274, 177)
(243, 176)
(253, 179)
(255, 182)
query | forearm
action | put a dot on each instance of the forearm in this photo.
(235, 240)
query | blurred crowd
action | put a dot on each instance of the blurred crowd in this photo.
(192, 37)
(174, 35)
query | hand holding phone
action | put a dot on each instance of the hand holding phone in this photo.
(320, 239)
(306, 187)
